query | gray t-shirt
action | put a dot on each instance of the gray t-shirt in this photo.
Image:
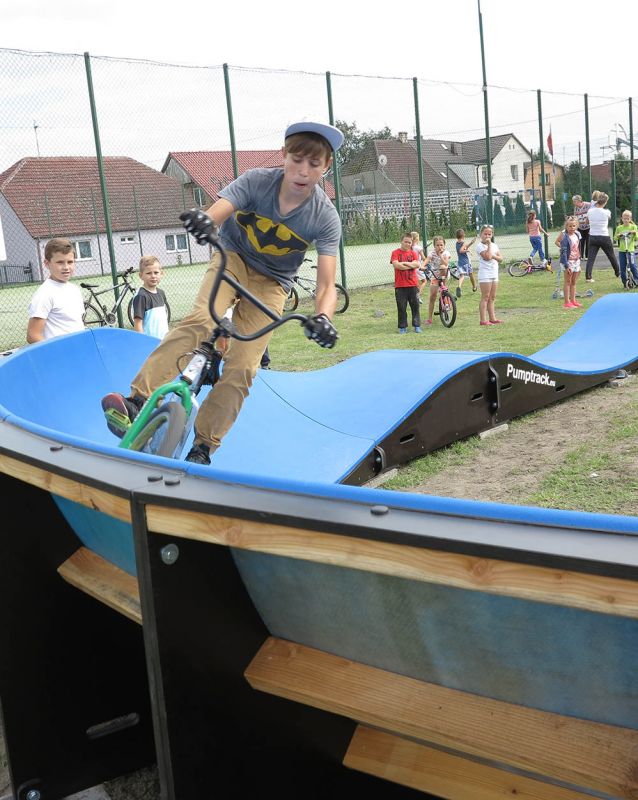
(269, 242)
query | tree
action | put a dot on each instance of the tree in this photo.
(498, 215)
(509, 212)
(352, 151)
(520, 212)
(558, 209)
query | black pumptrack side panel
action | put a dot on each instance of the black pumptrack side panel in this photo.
(476, 399)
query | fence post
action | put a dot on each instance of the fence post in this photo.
(417, 124)
(632, 176)
(541, 153)
(337, 182)
(97, 232)
(137, 220)
(488, 148)
(587, 147)
(231, 124)
(188, 238)
(105, 195)
(614, 205)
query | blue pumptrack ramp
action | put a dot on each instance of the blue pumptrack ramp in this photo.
(341, 424)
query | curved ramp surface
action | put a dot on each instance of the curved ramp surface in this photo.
(344, 423)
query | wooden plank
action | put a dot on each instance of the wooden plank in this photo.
(578, 752)
(114, 506)
(443, 774)
(103, 581)
(542, 584)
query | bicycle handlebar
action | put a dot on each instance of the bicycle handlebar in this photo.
(221, 275)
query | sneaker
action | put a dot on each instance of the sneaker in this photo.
(199, 454)
(590, 280)
(403, 330)
(120, 412)
(474, 288)
(420, 302)
(458, 291)
(418, 329)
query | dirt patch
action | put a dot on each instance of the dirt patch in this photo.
(511, 466)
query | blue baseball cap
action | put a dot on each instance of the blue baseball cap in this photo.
(332, 135)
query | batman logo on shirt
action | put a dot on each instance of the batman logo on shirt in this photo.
(268, 237)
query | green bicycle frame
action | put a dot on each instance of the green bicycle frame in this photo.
(178, 387)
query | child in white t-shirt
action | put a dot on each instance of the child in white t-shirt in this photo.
(489, 259)
(57, 306)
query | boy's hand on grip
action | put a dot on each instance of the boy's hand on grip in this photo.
(321, 330)
(200, 225)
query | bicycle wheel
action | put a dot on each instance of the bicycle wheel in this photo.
(92, 317)
(447, 309)
(518, 269)
(292, 301)
(163, 432)
(131, 318)
(343, 299)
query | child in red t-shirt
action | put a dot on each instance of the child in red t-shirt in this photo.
(406, 261)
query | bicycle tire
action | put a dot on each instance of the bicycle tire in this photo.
(447, 309)
(343, 299)
(518, 269)
(131, 318)
(163, 432)
(292, 301)
(92, 318)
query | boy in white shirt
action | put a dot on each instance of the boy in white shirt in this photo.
(57, 306)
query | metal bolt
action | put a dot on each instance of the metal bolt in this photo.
(33, 794)
(379, 511)
(169, 555)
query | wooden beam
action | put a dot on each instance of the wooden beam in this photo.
(542, 584)
(114, 506)
(581, 753)
(443, 774)
(104, 581)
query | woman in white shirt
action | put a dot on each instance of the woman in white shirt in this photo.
(599, 238)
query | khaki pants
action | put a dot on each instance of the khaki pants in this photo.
(223, 403)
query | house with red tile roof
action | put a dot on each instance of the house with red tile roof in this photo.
(43, 198)
(205, 172)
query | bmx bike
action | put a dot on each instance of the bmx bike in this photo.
(446, 301)
(526, 266)
(166, 418)
(309, 287)
(98, 314)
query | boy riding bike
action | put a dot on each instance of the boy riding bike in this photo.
(268, 218)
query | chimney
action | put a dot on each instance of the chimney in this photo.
(403, 137)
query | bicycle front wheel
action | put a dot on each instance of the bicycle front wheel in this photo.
(93, 318)
(343, 299)
(131, 318)
(292, 301)
(163, 432)
(447, 309)
(518, 269)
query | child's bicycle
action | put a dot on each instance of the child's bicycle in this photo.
(165, 420)
(526, 266)
(309, 286)
(98, 314)
(630, 281)
(446, 301)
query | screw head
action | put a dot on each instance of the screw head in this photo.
(169, 555)
(33, 794)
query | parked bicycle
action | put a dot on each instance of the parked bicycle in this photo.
(446, 301)
(309, 287)
(98, 314)
(166, 418)
(526, 266)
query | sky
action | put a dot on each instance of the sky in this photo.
(563, 49)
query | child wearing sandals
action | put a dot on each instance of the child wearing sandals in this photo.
(489, 258)
(570, 261)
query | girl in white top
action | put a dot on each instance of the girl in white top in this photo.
(599, 238)
(489, 259)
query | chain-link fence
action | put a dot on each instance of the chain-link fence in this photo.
(108, 153)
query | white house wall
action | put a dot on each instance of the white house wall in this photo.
(511, 154)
